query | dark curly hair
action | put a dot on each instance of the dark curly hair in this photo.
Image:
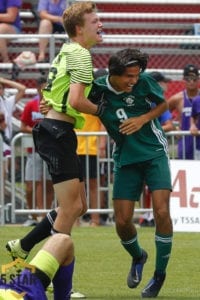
(127, 58)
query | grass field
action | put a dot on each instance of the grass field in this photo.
(102, 264)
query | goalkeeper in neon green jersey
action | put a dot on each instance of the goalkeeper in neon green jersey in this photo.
(140, 155)
(68, 84)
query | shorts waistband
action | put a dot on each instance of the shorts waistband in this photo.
(63, 124)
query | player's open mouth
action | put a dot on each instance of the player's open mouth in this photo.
(99, 31)
(100, 35)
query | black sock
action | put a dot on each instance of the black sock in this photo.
(45, 280)
(41, 231)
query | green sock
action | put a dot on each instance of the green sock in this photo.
(163, 251)
(132, 247)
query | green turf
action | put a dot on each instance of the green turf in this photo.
(102, 264)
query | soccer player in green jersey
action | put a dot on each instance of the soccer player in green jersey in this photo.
(68, 84)
(140, 155)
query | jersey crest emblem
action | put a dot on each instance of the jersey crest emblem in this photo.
(129, 100)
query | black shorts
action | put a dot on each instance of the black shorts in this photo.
(58, 28)
(89, 165)
(56, 143)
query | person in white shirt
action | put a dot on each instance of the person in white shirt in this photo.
(7, 107)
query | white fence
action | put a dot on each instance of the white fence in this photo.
(15, 205)
(18, 206)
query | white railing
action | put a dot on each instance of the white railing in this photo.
(125, 20)
(150, 39)
(26, 14)
(28, 91)
(35, 66)
(175, 74)
(150, 15)
(109, 38)
(34, 39)
(18, 192)
(135, 15)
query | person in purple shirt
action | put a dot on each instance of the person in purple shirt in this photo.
(182, 103)
(9, 23)
(195, 125)
(50, 13)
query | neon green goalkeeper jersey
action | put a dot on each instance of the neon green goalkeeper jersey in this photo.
(73, 64)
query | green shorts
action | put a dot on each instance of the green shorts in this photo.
(129, 180)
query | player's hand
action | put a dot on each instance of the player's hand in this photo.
(193, 130)
(44, 107)
(132, 125)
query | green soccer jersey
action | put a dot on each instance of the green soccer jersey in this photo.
(148, 142)
(73, 64)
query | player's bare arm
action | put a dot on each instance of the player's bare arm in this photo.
(193, 126)
(78, 101)
(134, 124)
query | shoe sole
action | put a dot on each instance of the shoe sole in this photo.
(10, 251)
(151, 294)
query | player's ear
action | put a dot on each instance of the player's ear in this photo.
(79, 30)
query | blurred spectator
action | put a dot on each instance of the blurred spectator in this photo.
(195, 125)
(7, 106)
(5, 140)
(34, 164)
(2, 128)
(182, 103)
(89, 148)
(50, 13)
(103, 165)
(9, 23)
(166, 118)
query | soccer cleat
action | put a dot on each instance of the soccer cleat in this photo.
(135, 273)
(73, 295)
(30, 222)
(152, 289)
(77, 295)
(15, 250)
